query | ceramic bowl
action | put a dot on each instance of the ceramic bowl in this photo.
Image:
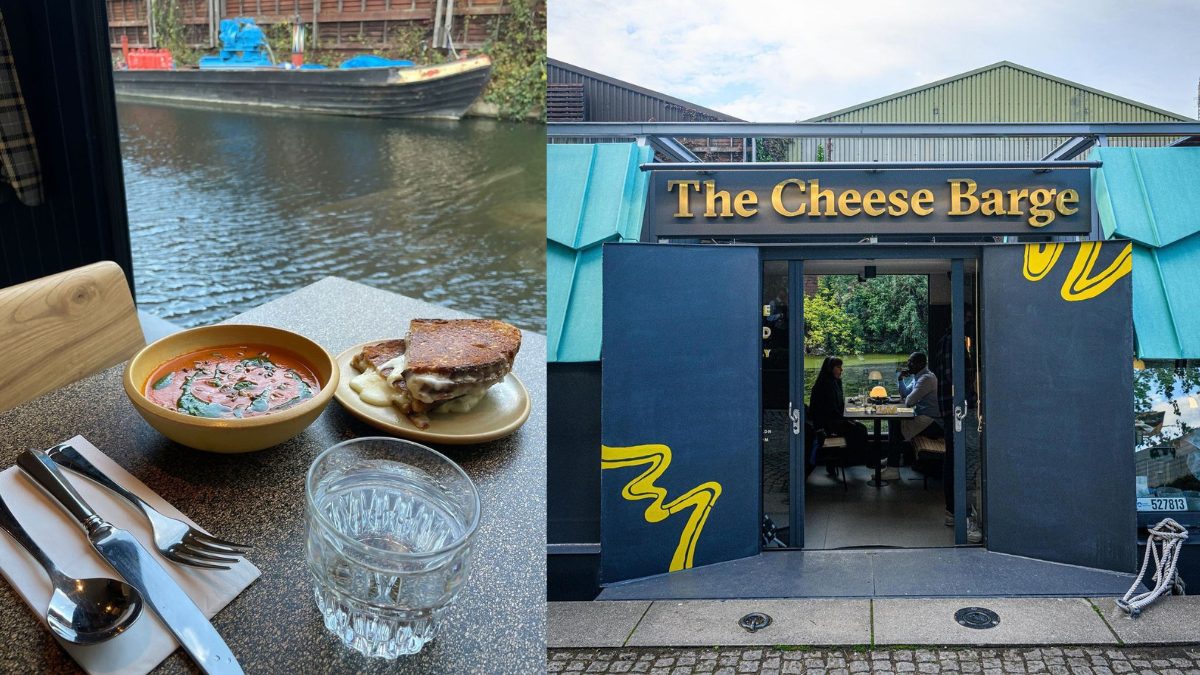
(235, 434)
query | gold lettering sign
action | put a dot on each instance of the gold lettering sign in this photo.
(795, 197)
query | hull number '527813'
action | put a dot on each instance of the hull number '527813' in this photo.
(1162, 504)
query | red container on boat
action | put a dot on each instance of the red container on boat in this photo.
(146, 59)
(150, 59)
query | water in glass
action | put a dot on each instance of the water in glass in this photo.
(388, 542)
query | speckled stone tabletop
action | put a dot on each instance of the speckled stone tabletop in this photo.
(498, 623)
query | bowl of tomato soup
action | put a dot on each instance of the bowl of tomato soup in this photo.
(231, 388)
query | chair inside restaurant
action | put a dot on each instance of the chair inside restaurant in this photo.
(866, 317)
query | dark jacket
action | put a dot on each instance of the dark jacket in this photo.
(827, 405)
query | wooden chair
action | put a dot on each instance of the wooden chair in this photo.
(929, 449)
(830, 450)
(61, 328)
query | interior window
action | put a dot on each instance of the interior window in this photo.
(1167, 434)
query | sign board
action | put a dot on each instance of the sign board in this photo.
(744, 203)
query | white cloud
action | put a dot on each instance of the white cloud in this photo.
(775, 60)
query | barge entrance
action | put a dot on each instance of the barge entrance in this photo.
(688, 400)
(862, 478)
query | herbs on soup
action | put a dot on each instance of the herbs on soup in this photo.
(235, 381)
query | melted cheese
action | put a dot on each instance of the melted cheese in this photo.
(463, 403)
(372, 388)
(424, 386)
(375, 389)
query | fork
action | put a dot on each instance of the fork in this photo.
(176, 540)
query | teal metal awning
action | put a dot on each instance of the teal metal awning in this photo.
(1150, 196)
(594, 194)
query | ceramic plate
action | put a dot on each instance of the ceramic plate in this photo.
(500, 413)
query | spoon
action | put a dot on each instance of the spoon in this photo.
(81, 611)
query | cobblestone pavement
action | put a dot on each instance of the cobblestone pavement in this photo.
(835, 661)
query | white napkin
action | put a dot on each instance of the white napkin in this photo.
(147, 642)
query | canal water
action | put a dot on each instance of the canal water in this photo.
(228, 210)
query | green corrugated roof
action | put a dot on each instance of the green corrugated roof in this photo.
(594, 194)
(1149, 195)
(1001, 92)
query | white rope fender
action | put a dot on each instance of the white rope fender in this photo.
(1170, 535)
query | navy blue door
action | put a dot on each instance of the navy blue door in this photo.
(1057, 405)
(680, 422)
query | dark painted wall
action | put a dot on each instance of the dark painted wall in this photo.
(680, 384)
(573, 453)
(1058, 412)
(61, 53)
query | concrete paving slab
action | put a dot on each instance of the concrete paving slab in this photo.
(1169, 620)
(715, 623)
(591, 624)
(1023, 621)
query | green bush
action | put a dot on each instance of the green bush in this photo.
(171, 33)
(828, 329)
(890, 314)
(518, 51)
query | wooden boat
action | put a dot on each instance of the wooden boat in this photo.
(445, 90)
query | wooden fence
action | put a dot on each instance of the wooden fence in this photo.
(343, 25)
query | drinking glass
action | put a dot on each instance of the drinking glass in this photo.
(390, 524)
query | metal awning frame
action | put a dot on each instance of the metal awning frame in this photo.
(663, 135)
(645, 130)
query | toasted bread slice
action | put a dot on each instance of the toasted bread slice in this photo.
(462, 349)
(449, 359)
(375, 357)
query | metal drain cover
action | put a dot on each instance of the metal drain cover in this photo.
(977, 617)
(754, 621)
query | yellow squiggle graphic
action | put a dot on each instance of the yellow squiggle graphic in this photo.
(700, 498)
(1080, 284)
(1040, 259)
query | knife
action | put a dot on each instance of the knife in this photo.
(139, 569)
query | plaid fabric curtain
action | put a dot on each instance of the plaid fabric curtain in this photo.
(19, 166)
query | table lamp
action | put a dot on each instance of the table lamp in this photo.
(878, 392)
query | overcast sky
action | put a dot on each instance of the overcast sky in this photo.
(781, 60)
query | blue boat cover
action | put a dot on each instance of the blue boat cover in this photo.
(372, 61)
(1149, 195)
(594, 194)
(243, 45)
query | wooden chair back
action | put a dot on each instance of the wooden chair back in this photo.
(61, 328)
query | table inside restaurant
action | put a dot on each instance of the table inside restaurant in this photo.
(868, 413)
(498, 622)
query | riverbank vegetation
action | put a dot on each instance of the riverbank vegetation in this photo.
(518, 51)
(886, 314)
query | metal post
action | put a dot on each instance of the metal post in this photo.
(1097, 232)
(437, 24)
(316, 24)
(797, 452)
(150, 23)
(958, 368)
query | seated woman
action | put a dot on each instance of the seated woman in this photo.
(827, 407)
